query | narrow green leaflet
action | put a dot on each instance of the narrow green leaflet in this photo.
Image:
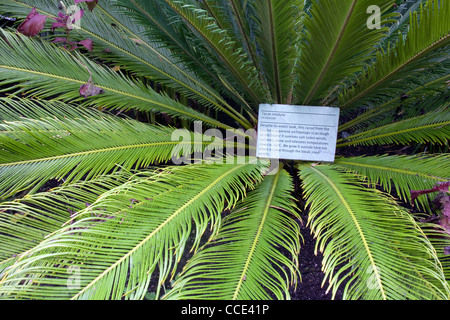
(379, 248)
(115, 246)
(16, 109)
(42, 69)
(243, 261)
(33, 151)
(401, 173)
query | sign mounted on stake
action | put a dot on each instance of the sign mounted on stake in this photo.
(297, 132)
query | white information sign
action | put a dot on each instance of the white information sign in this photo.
(297, 132)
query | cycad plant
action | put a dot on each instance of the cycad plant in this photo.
(94, 205)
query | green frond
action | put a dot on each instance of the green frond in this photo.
(117, 244)
(44, 70)
(432, 127)
(159, 63)
(435, 85)
(16, 109)
(381, 251)
(34, 151)
(237, 18)
(233, 16)
(337, 45)
(402, 173)
(124, 214)
(425, 44)
(440, 239)
(27, 221)
(278, 30)
(156, 20)
(126, 45)
(243, 261)
(223, 47)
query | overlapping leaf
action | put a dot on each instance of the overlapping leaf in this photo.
(244, 260)
(118, 243)
(378, 248)
(34, 151)
(43, 69)
(425, 44)
(337, 45)
(401, 173)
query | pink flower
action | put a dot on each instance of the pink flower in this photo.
(33, 24)
(67, 21)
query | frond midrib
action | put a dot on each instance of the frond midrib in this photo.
(386, 168)
(358, 227)
(365, 133)
(154, 232)
(399, 68)
(84, 153)
(258, 233)
(327, 65)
